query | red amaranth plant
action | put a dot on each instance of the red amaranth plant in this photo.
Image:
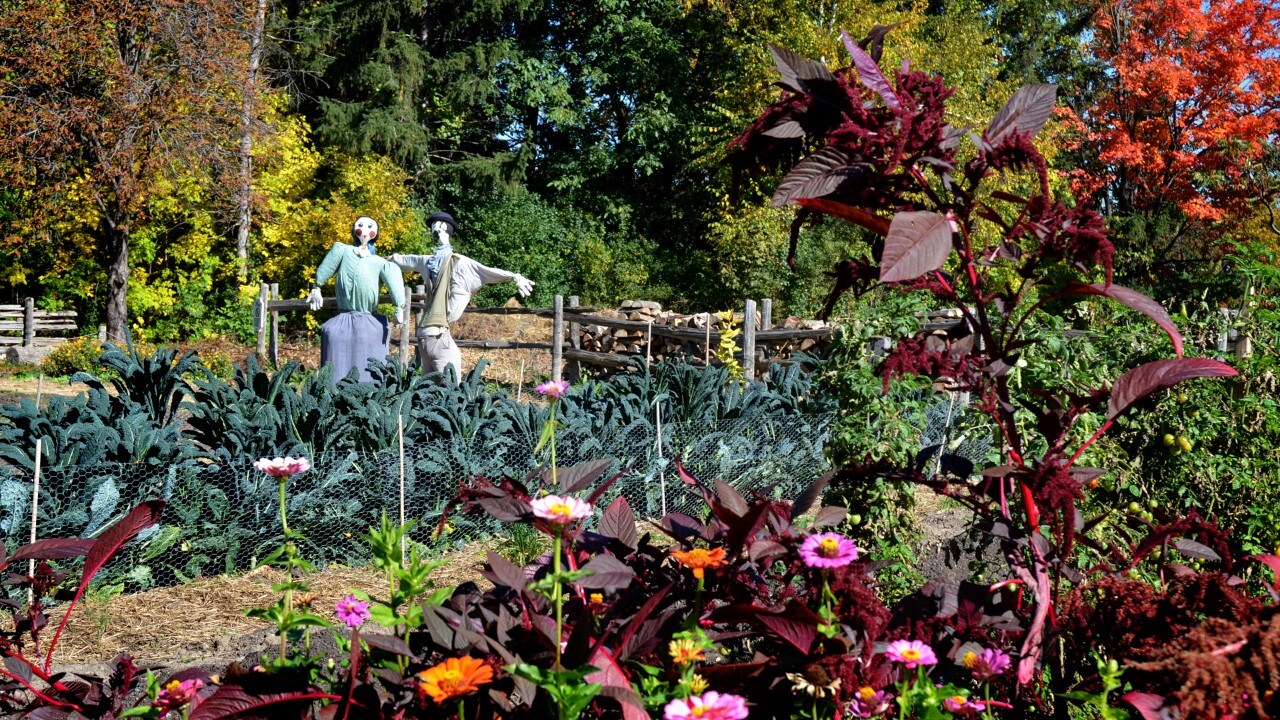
(881, 155)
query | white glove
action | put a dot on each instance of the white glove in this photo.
(315, 300)
(524, 285)
(402, 314)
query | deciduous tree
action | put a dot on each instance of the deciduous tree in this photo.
(1176, 127)
(104, 96)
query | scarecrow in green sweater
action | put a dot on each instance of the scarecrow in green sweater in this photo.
(356, 335)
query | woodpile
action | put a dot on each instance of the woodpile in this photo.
(640, 327)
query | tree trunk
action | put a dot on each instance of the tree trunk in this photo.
(248, 96)
(117, 247)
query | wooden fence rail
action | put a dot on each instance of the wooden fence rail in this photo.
(753, 343)
(31, 323)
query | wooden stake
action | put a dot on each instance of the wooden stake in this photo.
(557, 339)
(35, 506)
(400, 435)
(706, 358)
(648, 344)
(520, 386)
(662, 474)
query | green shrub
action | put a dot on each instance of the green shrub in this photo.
(73, 356)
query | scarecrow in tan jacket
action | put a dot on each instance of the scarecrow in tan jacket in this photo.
(451, 278)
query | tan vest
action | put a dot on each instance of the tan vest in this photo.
(436, 312)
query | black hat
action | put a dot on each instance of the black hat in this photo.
(444, 217)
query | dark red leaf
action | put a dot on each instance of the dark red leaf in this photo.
(504, 573)
(869, 73)
(265, 701)
(606, 573)
(812, 177)
(104, 548)
(830, 516)
(1194, 549)
(730, 498)
(1133, 300)
(1272, 562)
(917, 243)
(1027, 111)
(810, 495)
(614, 684)
(855, 215)
(1152, 377)
(596, 494)
(388, 643)
(505, 509)
(576, 478)
(797, 625)
(56, 549)
(1150, 707)
(765, 550)
(633, 625)
(617, 521)
(800, 74)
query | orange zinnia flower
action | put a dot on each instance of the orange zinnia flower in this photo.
(699, 559)
(453, 678)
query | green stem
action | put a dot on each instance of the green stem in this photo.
(552, 420)
(283, 519)
(556, 596)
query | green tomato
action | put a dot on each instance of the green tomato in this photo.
(1169, 439)
(1134, 507)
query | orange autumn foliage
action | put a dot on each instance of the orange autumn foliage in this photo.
(1185, 106)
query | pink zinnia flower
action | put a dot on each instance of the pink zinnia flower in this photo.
(828, 550)
(710, 705)
(869, 702)
(352, 612)
(560, 511)
(177, 693)
(911, 653)
(986, 664)
(282, 467)
(961, 705)
(554, 389)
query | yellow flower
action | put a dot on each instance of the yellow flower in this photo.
(685, 651)
(596, 597)
(698, 684)
(969, 659)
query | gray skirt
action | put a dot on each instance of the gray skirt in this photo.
(351, 339)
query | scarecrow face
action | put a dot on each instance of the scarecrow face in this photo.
(441, 230)
(364, 231)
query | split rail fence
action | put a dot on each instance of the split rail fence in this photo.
(32, 323)
(565, 314)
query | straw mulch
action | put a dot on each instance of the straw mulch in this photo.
(206, 617)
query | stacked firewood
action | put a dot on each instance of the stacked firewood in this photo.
(690, 341)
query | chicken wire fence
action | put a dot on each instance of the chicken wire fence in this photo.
(224, 517)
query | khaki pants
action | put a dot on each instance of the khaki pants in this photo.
(436, 352)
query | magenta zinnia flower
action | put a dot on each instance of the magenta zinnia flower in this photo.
(560, 511)
(177, 693)
(828, 550)
(282, 467)
(961, 705)
(710, 705)
(986, 664)
(553, 389)
(869, 702)
(911, 653)
(352, 612)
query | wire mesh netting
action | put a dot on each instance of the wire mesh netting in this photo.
(223, 517)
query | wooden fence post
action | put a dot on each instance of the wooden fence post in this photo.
(557, 339)
(749, 340)
(766, 314)
(275, 327)
(28, 322)
(404, 327)
(264, 294)
(575, 342)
